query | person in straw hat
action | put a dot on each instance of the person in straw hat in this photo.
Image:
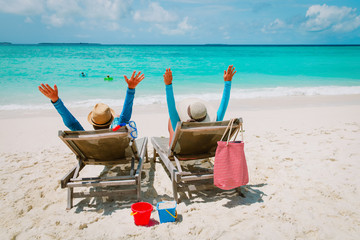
(101, 115)
(193, 109)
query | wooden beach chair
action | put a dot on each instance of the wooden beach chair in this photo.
(191, 141)
(108, 148)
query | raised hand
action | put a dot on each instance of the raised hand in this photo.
(168, 76)
(228, 75)
(52, 94)
(134, 80)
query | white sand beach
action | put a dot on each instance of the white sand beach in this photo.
(303, 156)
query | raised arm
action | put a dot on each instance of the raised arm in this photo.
(48, 92)
(134, 80)
(228, 75)
(174, 116)
(69, 120)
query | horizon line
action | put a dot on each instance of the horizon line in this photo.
(173, 44)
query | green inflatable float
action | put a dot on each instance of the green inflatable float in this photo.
(108, 78)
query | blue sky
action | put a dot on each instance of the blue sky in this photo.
(180, 21)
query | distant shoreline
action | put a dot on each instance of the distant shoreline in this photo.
(179, 45)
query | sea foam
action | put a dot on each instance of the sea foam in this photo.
(236, 93)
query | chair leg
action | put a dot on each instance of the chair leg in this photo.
(138, 188)
(154, 155)
(70, 198)
(146, 155)
(174, 183)
(132, 166)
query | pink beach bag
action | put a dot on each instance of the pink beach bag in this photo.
(230, 168)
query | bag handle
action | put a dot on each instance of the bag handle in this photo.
(229, 126)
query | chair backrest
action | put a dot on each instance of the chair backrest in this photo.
(100, 146)
(195, 140)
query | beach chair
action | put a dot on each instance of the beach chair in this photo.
(191, 141)
(108, 148)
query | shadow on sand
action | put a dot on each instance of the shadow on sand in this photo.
(244, 195)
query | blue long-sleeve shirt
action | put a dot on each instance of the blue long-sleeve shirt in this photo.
(174, 116)
(73, 124)
(69, 120)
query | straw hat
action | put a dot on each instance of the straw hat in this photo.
(196, 109)
(101, 115)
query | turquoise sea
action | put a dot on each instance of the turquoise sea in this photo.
(262, 72)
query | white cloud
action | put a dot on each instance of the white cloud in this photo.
(184, 25)
(155, 13)
(180, 29)
(196, 1)
(224, 32)
(337, 19)
(82, 36)
(28, 20)
(22, 7)
(57, 13)
(107, 9)
(112, 26)
(347, 26)
(54, 20)
(167, 22)
(275, 26)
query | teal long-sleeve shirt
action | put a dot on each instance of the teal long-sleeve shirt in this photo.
(73, 124)
(174, 116)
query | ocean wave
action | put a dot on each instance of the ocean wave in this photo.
(294, 91)
(236, 93)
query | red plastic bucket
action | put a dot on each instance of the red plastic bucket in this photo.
(141, 212)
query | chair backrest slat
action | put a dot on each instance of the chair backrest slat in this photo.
(100, 145)
(198, 139)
